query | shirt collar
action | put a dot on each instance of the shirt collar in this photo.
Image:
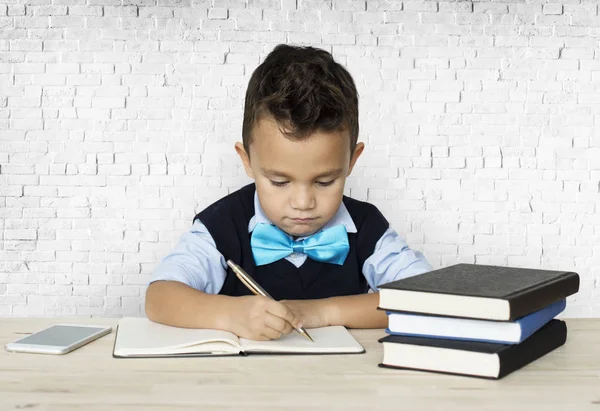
(342, 216)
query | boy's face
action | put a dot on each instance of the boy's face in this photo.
(300, 183)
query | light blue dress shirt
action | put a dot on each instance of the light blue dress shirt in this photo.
(195, 260)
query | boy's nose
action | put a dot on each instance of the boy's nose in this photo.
(303, 199)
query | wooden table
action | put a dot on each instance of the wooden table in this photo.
(90, 379)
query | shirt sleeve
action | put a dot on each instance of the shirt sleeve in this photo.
(392, 260)
(195, 261)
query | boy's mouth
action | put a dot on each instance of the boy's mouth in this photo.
(303, 220)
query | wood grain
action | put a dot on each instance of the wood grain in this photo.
(90, 379)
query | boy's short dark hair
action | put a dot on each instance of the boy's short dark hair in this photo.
(305, 91)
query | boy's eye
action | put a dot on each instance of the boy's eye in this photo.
(278, 183)
(325, 183)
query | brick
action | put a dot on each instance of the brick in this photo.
(117, 34)
(25, 45)
(353, 5)
(22, 289)
(12, 57)
(92, 290)
(123, 269)
(455, 7)
(85, 10)
(53, 289)
(435, 96)
(498, 8)
(576, 53)
(67, 21)
(156, 12)
(123, 291)
(553, 9)
(265, 4)
(230, 4)
(16, 10)
(217, 14)
(421, 6)
(384, 5)
(108, 102)
(25, 234)
(20, 245)
(49, 10)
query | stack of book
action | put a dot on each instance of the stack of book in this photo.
(476, 320)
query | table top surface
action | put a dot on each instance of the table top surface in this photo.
(90, 378)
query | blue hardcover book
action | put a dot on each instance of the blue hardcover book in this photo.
(504, 332)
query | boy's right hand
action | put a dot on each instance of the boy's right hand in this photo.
(260, 318)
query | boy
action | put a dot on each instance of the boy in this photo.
(314, 250)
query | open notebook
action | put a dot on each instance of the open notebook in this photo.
(140, 337)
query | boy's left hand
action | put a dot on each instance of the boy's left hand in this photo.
(312, 313)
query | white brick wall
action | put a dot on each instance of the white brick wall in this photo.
(117, 120)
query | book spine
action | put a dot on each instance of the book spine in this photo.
(539, 344)
(534, 321)
(535, 299)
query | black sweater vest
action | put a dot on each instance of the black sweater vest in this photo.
(227, 221)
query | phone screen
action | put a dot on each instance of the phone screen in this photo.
(60, 335)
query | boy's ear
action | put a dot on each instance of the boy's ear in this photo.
(239, 148)
(357, 152)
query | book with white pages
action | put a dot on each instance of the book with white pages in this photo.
(477, 291)
(504, 332)
(471, 358)
(138, 337)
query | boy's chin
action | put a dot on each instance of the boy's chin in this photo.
(295, 232)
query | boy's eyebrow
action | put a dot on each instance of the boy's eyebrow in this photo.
(332, 172)
(327, 173)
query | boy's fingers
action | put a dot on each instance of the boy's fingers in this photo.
(270, 333)
(282, 311)
(260, 337)
(278, 324)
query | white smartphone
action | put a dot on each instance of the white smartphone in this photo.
(58, 339)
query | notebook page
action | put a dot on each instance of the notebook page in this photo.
(140, 336)
(334, 339)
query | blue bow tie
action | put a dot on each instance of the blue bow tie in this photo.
(270, 244)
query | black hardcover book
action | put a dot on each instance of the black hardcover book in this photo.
(470, 358)
(478, 291)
